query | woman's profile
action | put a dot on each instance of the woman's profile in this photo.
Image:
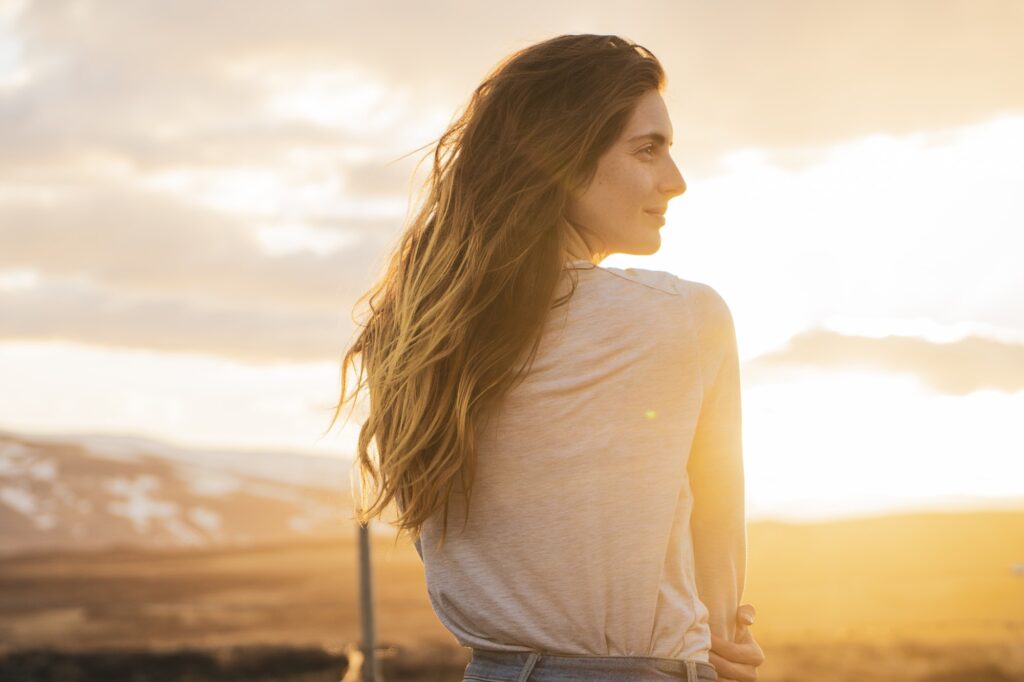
(561, 439)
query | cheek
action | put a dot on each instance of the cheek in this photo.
(628, 183)
(620, 190)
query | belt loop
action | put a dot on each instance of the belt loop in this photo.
(528, 668)
(691, 671)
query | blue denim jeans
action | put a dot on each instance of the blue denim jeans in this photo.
(537, 666)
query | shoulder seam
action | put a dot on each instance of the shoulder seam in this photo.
(670, 292)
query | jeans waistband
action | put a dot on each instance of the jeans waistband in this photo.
(541, 666)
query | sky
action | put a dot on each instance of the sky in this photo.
(193, 195)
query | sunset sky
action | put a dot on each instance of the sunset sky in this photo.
(194, 194)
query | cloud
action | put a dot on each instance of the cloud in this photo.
(780, 75)
(130, 128)
(799, 74)
(85, 313)
(956, 368)
(149, 243)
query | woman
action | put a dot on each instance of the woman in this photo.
(584, 422)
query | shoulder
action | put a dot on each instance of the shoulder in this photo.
(709, 312)
(716, 333)
(705, 308)
(706, 303)
(709, 305)
(658, 280)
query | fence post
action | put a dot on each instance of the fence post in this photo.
(366, 605)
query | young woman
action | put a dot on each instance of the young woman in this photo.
(582, 421)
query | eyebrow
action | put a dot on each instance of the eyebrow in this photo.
(657, 137)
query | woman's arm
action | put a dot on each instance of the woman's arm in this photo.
(715, 468)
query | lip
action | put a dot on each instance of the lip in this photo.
(659, 216)
(660, 212)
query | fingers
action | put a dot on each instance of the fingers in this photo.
(745, 650)
(728, 670)
(737, 660)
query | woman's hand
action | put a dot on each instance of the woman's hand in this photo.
(737, 661)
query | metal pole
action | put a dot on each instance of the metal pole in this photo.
(366, 605)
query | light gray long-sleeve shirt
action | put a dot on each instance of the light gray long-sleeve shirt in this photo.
(607, 515)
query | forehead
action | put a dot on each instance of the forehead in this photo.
(649, 116)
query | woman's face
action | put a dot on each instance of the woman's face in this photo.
(622, 208)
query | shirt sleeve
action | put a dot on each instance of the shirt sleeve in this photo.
(715, 469)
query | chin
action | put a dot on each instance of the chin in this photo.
(652, 246)
(644, 249)
(644, 241)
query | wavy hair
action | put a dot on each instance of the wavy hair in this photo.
(456, 319)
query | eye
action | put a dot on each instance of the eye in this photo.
(649, 149)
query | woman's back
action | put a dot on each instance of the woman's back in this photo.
(579, 533)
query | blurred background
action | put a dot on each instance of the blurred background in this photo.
(193, 196)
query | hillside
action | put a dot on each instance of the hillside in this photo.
(93, 492)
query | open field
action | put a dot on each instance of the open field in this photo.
(912, 597)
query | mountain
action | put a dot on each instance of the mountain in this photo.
(92, 492)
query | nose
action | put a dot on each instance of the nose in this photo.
(673, 185)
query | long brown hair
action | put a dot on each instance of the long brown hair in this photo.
(456, 319)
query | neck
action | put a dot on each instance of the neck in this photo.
(578, 248)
